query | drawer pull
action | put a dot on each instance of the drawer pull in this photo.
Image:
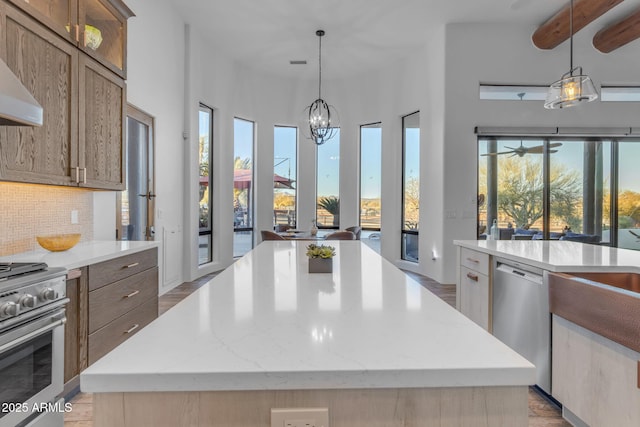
(638, 373)
(133, 328)
(132, 294)
(132, 265)
(473, 260)
(473, 277)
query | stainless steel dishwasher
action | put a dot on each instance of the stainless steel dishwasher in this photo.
(521, 316)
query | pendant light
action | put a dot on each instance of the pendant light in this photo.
(321, 119)
(574, 87)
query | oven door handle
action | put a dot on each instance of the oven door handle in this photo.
(24, 338)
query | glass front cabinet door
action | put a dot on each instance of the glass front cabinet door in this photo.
(98, 27)
(102, 28)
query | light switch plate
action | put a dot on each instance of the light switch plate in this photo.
(74, 216)
(299, 417)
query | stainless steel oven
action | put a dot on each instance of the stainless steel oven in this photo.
(32, 318)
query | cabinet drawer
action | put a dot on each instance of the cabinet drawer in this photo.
(113, 334)
(112, 301)
(474, 297)
(117, 269)
(475, 260)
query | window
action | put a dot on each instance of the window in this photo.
(620, 93)
(410, 186)
(513, 93)
(628, 200)
(371, 183)
(571, 188)
(205, 119)
(328, 183)
(285, 141)
(580, 175)
(243, 141)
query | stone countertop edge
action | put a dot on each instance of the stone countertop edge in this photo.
(559, 256)
(84, 253)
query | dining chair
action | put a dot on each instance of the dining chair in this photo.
(355, 230)
(341, 235)
(270, 235)
(280, 228)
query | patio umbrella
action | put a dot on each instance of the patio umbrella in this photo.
(242, 180)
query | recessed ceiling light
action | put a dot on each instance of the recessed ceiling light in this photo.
(299, 62)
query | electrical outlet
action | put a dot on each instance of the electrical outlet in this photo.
(74, 216)
(300, 417)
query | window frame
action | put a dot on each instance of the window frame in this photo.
(404, 232)
(207, 231)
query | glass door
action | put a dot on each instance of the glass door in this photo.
(135, 205)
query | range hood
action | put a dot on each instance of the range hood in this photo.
(17, 106)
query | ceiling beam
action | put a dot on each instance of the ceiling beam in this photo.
(556, 30)
(615, 35)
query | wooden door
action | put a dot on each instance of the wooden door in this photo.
(47, 66)
(101, 126)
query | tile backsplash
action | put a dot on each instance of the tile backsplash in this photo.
(28, 210)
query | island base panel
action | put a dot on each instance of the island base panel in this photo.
(468, 406)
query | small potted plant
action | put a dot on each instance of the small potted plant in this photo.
(320, 258)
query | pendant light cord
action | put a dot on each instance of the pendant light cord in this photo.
(320, 65)
(571, 39)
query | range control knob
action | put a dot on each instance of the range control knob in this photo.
(9, 309)
(28, 301)
(47, 294)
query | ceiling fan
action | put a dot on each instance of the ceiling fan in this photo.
(522, 150)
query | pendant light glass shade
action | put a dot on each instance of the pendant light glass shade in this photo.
(573, 87)
(570, 90)
(321, 120)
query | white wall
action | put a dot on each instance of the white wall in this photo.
(505, 54)
(155, 84)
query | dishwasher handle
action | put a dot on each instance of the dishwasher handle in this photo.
(520, 273)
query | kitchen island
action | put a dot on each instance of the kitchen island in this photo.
(366, 341)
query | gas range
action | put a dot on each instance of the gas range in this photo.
(28, 287)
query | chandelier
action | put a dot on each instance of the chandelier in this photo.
(321, 118)
(573, 87)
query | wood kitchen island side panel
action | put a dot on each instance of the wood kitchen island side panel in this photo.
(471, 406)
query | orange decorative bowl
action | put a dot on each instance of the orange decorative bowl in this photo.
(58, 242)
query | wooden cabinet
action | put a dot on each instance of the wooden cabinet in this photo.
(473, 290)
(98, 27)
(108, 302)
(75, 331)
(81, 142)
(595, 378)
(123, 298)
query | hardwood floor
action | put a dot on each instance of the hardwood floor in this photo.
(542, 412)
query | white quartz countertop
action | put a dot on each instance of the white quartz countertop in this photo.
(84, 253)
(559, 256)
(265, 323)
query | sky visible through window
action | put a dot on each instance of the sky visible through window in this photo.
(329, 167)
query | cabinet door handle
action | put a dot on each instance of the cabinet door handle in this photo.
(473, 260)
(132, 294)
(131, 329)
(84, 175)
(638, 373)
(77, 174)
(77, 32)
(472, 277)
(132, 265)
